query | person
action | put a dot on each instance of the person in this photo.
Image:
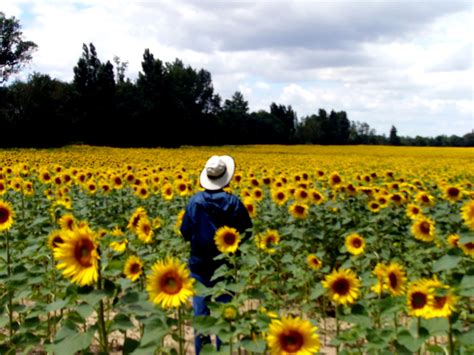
(206, 212)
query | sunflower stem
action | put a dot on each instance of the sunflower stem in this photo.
(337, 327)
(418, 327)
(10, 291)
(450, 336)
(180, 332)
(101, 320)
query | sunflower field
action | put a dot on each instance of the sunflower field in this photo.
(353, 250)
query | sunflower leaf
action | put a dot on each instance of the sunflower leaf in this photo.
(447, 262)
(256, 346)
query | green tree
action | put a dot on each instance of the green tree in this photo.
(394, 139)
(14, 51)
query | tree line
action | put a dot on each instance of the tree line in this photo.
(170, 104)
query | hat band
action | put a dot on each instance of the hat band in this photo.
(217, 176)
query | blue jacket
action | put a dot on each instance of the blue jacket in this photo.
(205, 213)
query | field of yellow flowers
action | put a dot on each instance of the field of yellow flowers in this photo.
(359, 249)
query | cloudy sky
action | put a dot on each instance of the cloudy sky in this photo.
(407, 63)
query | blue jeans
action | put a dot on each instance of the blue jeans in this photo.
(200, 309)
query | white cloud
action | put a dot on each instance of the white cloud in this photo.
(383, 62)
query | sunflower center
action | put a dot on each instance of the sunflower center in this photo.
(453, 191)
(469, 246)
(135, 268)
(4, 215)
(303, 194)
(415, 210)
(418, 300)
(299, 210)
(336, 179)
(356, 243)
(83, 252)
(270, 240)
(392, 278)
(146, 229)
(425, 199)
(229, 238)
(280, 196)
(341, 287)
(171, 283)
(291, 341)
(439, 302)
(425, 227)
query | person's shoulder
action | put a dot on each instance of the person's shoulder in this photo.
(197, 197)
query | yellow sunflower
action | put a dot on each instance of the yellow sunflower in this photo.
(423, 229)
(266, 240)
(316, 196)
(380, 271)
(133, 268)
(443, 305)
(135, 218)
(257, 194)
(453, 240)
(292, 336)
(250, 206)
(467, 248)
(301, 194)
(145, 230)
(6, 215)
(374, 206)
(425, 199)
(355, 244)
(55, 239)
(467, 212)
(119, 247)
(414, 211)
(314, 262)
(335, 179)
(227, 239)
(419, 299)
(453, 193)
(169, 284)
(67, 222)
(78, 257)
(298, 210)
(279, 196)
(395, 279)
(343, 286)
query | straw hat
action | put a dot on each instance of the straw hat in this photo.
(217, 172)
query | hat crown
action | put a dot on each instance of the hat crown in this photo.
(215, 167)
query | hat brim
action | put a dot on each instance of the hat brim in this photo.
(221, 182)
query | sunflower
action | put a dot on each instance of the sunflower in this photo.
(395, 279)
(117, 232)
(67, 222)
(266, 240)
(355, 244)
(419, 299)
(169, 284)
(78, 257)
(380, 271)
(316, 196)
(442, 306)
(298, 210)
(374, 206)
(425, 199)
(335, 179)
(467, 248)
(179, 220)
(292, 336)
(6, 215)
(227, 239)
(117, 182)
(414, 211)
(55, 238)
(3, 188)
(301, 195)
(119, 247)
(230, 312)
(135, 218)
(279, 196)
(467, 212)
(453, 240)
(453, 193)
(257, 194)
(250, 206)
(133, 268)
(343, 286)
(167, 191)
(145, 230)
(423, 229)
(314, 262)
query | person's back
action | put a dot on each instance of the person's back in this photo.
(205, 213)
